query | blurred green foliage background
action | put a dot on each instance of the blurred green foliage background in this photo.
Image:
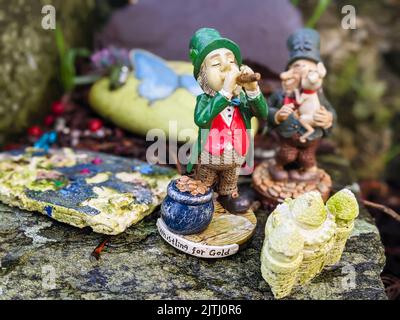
(363, 79)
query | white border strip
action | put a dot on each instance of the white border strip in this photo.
(195, 249)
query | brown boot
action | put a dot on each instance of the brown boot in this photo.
(239, 204)
(278, 173)
(304, 175)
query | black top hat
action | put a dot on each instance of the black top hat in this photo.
(304, 44)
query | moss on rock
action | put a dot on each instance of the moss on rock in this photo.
(29, 59)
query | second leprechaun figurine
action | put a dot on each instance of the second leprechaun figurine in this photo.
(223, 113)
(302, 116)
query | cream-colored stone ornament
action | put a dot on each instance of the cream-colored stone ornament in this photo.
(344, 207)
(282, 256)
(302, 236)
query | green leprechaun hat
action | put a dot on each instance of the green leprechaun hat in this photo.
(206, 40)
(304, 44)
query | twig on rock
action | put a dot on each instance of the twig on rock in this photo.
(96, 252)
(392, 286)
(383, 208)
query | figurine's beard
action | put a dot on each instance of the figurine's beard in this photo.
(202, 80)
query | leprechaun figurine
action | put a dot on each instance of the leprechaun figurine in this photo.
(190, 214)
(294, 169)
(223, 113)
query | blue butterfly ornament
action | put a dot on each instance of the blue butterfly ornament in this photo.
(158, 80)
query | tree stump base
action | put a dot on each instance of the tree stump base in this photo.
(274, 192)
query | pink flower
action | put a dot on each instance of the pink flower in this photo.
(97, 161)
(85, 171)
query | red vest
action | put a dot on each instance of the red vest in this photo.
(288, 100)
(220, 135)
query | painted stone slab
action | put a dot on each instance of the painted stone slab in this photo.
(82, 188)
(221, 239)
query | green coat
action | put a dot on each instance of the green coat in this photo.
(208, 107)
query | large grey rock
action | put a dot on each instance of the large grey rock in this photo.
(140, 265)
(28, 57)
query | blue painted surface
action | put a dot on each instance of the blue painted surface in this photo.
(46, 140)
(159, 81)
(16, 152)
(190, 83)
(150, 170)
(77, 190)
(71, 196)
(49, 211)
(184, 214)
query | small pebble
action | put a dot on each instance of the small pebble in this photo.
(273, 193)
(276, 188)
(100, 133)
(74, 142)
(75, 133)
(309, 187)
(60, 124)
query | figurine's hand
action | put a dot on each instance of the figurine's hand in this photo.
(230, 80)
(323, 118)
(249, 86)
(283, 113)
(237, 91)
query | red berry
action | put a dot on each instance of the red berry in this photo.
(35, 131)
(49, 120)
(95, 125)
(58, 108)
